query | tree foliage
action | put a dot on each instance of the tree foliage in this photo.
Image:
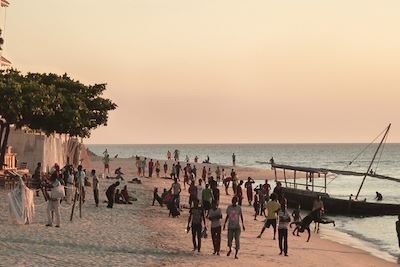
(52, 103)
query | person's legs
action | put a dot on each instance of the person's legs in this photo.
(274, 226)
(218, 239)
(194, 233)
(280, 240)
(199, 238)
(110, 199)
(285, 241)
(237, 241)
(49, 209)
(96, 196)
(230, 238)
(57, 212)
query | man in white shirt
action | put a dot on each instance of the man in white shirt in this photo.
(80, 182)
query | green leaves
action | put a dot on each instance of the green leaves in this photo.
(52, 103)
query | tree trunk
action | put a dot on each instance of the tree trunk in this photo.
(3, 144)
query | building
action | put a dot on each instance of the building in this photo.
(4, 63)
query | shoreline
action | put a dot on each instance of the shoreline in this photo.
(327, 234)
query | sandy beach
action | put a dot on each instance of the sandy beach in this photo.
(144, 235)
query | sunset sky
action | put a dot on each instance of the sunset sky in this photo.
(222, 71)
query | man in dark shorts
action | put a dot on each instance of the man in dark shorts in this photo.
(272, 207)
(196, 218)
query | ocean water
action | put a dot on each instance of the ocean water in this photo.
(375, 234)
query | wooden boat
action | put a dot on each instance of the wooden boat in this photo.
(348, 207)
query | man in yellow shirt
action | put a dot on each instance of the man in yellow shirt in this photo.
(272, 207)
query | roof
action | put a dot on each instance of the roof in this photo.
(4, 61)
(5, 3)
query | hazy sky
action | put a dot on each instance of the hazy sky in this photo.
(228, 71)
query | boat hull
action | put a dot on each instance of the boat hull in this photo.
(339, 206)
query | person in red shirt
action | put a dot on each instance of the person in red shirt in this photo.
(249, 189)
(239, 193)
(266, 188)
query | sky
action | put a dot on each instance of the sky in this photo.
(222, 71)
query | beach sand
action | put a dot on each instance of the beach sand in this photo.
(144, 235)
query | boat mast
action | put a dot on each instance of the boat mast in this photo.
(373, 159)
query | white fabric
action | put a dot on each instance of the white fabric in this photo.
(21, 204)
(57, 192)
(53, 205)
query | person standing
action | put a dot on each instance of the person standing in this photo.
(178, 168)
(196, 159)
(272, 207)
(218, 174)
(80, 181)
(207, 197)
(192, 193)
(194, 172)
(144, 163)
(234, 159)
(36, 178)
(176, 155)
(95, 183)
(249, 189)
(196, 217)
(239, 193)
(165, 169)
(157, 165)
(53, 203)
(204, 173)
(176, 191)
(110, 193)
(215, 216)
(106, 161)
(234, 181)
(233, 213)
(173, 170)
(284, 220)
(200, 191)
(169, 155)
(151, 165)
(266, 188)
(69, 182)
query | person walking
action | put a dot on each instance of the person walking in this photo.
(144, 163)
(80, 181)
(234, 159)
(215, 216)
(178, 168)
(95, 183)
(233, 214)
(239, 193)
(196, 218)
(284, 220)
(110, 193)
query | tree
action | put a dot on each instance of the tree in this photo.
(50, 103)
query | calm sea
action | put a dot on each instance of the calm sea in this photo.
(374, 233)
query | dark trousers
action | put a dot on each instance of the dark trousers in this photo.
(282, 237)
(96, 196)
(110, 198)
(196, 233)
(216, 238)
(398, 237)
(150, 172)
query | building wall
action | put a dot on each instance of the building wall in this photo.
(33, 148)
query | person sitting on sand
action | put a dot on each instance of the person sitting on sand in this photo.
(110, 193)
(157, 197)
(118, 198)
(125, 195)
(379, 196)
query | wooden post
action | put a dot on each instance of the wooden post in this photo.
(80, 200)
(284, 176)
(312, 181)
(325, 183)
(306, 180)
(276, 176)
(294, 178)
